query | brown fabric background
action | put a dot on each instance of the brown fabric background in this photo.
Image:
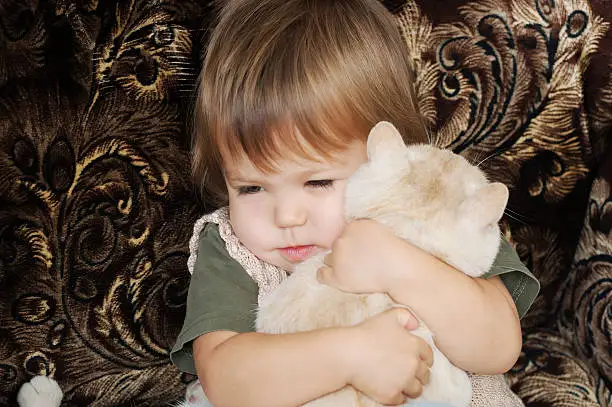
(96, 203)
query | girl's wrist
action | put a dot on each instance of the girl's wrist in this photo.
(399, 264)
(346, 351)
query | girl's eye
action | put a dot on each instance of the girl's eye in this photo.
(320, 183)
(249, 190)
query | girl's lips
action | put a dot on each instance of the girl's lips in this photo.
(296, 254)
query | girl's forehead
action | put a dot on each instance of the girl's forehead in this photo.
(310, 160)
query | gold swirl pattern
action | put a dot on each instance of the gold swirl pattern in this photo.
(97, 204)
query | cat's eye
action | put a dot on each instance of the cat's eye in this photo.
(320, 183)
(249, 190)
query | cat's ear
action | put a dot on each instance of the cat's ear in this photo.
(487, 204)
(384, 137)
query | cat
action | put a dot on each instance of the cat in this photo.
(434, 199)
(431, 197)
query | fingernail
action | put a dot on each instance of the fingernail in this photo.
(407, 320)
(320, 277)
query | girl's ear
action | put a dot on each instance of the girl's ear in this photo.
(384, 137)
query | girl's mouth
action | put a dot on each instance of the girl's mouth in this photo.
(296, 254)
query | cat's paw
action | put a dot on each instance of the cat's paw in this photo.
(41, 391)
(454, 390)
(194, 396)
(447, 383)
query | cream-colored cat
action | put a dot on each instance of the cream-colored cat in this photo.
(431, 197)
(434, 199)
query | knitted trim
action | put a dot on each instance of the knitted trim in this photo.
(266, 275)
(493, 391)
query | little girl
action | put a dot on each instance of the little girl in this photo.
(289, 91)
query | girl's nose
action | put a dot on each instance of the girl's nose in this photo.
(290, 214)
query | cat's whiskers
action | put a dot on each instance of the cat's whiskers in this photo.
(495, 154)
(477, 157)
(515, 213)
(515, 218)
(429, 137)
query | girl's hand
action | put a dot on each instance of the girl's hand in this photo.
(363, 259)
(388, 363)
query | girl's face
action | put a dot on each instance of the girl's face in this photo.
(287, 216)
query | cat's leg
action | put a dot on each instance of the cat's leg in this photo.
(447, 383)
(41, 391)
(194, 396)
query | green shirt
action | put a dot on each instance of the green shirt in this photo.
(223, 297)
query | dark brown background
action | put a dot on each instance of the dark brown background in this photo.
(96, 202)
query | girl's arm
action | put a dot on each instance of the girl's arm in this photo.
(380, 357)
(474, 320)
(255, 369)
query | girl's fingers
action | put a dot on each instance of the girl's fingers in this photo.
(413, 389)
(327, 259)
(422, 373)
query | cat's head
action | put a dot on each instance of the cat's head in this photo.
(432, 197)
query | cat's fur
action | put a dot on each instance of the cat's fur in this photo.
(435, 200)
(432, 198)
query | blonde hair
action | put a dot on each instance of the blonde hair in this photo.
(279, 73)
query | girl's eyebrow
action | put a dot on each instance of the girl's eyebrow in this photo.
(317, 172)
(244, 177)
(234, 175)
(320, 169)
(240, 179)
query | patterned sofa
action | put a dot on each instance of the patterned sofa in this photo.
(96, 202)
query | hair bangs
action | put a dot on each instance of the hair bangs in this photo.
(300, 119)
